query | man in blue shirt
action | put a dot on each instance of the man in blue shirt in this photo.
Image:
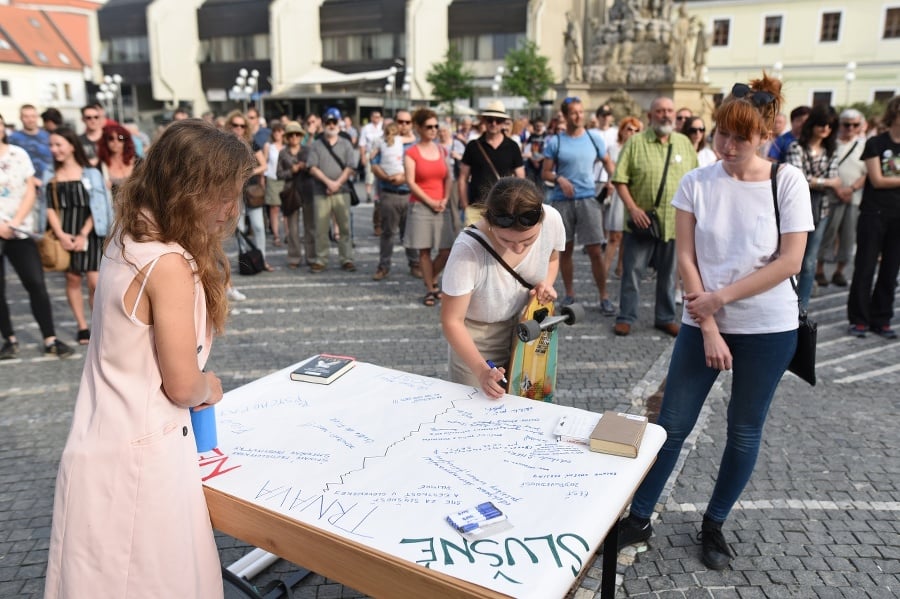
(569, 159)
(778, 151)
(34, 140)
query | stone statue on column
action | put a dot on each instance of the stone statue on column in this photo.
(573, 49)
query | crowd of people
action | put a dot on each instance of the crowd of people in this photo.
(488, 215)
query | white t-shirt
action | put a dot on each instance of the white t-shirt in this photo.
(736, 235)
(496, 295)
(391, 155)
(853, 167)
(15, 169)
(706, 156)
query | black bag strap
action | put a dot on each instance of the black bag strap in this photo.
(469, 231)
(333, 155)
(662, 182)
(590, 137)
(241, 236)
(850, 151)
(773, 176)
(487, 158)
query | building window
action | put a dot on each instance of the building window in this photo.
(488, 46)
(67, 91)
(883, 95)
(4, 88)
(831, 27)
(892, 23)
(772, 32)
(721, 29)
(239, 48)
(125, 49)
(376, 46)
(822, 98)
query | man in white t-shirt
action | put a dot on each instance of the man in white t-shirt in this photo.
(368, 136)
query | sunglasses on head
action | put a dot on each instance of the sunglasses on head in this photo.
(526, 219)
(759, 99)
(571, 99)
(693, 130)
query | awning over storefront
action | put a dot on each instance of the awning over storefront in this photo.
(326, 77)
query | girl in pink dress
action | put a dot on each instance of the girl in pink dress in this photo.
(129, 516)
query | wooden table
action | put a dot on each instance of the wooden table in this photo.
(354, 480)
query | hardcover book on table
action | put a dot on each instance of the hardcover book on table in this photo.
(323, 369)
(619, 434)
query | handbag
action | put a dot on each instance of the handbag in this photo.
(291, 200)
(53, 257)
(803, 364)
(250, 260)
(354, 198)
(254, 195)
(654, 231)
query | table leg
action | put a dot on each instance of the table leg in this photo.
(610, 555)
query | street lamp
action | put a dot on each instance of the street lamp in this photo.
(777, 68)
(849, 77)
(246, 85)
(110, 95)
(498, 80)
(407, 84)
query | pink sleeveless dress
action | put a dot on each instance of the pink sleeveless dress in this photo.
(129, 515)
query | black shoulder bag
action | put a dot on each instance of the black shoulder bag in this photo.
(468, 230)
(654, 231)
(803, 364)
(354, 198)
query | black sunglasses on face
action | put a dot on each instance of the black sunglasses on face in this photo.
(526, 219)
(238, 125)
(400, 122)
(759, 99)
(848, 125)
(430, 127)
(331, 122)
(116, 138)
(693, 130)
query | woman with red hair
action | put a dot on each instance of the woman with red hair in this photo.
(117, 155)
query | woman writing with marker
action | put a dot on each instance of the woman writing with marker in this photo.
(482, 301)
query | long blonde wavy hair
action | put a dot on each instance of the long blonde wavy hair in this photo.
(173, 190)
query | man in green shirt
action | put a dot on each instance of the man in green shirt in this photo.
(638, 179)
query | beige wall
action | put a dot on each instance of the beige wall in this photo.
(174, 52)
(426, 41)
(808, 65)
(294, 51)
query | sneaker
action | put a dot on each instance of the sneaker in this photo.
(716, 554)
(348, 266)
(234, 295)
(631, 531)
(839, 279)
(821, 279)
(607, 308)
(58, 349)
(857, 330)
(886, 332)
(567, 301)
(379, 274)
(9, 350)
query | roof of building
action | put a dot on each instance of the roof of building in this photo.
(36, 38)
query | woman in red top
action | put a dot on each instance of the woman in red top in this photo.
(428, 224)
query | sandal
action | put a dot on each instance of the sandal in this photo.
(83, 337)
(430, 299)
(277, 241)
(268, 268)
(437, 293)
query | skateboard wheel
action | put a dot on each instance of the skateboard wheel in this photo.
(573, 313)
(528, 330)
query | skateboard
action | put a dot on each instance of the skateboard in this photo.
(532, 367)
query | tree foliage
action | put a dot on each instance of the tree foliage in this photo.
(528, 73)
(451, 80)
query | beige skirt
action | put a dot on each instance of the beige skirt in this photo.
(493, 340)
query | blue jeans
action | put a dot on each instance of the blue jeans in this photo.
(808, 270)
(636, 254)
(759, 361)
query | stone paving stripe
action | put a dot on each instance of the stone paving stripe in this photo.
(859, 354)
(868, 375)
(808, 504)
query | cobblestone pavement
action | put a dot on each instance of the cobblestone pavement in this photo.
(819, 518)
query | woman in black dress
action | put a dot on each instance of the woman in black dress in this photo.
(79, 212)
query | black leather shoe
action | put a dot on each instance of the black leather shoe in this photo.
(716, 555)
(631, 531)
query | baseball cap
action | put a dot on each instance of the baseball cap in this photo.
(331, 113)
